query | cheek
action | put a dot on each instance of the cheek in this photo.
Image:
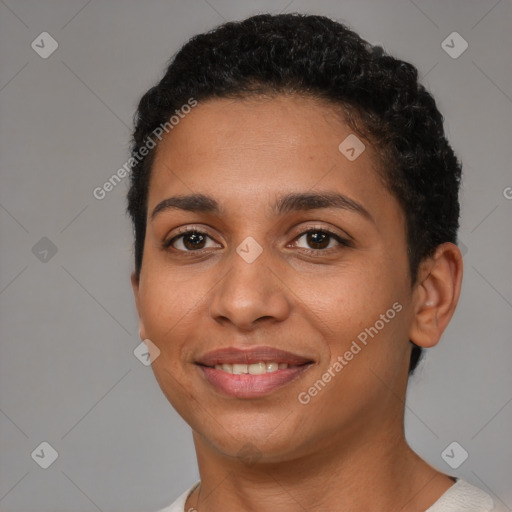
(167, 304)
(167, 312)
(347, 302)
(363, 317)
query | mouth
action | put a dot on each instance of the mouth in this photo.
(254, 368)
(251, 373)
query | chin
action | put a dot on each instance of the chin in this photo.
(251, 439)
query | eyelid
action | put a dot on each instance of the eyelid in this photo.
(184, 230)
(342, 239)
(343, 235)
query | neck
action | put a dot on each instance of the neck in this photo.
(378, 472)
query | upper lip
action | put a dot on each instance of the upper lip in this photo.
(234, 355)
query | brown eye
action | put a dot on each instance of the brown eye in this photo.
(194, 241)
(189, 241)
(319, 239)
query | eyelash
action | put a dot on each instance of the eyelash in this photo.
(342, 241)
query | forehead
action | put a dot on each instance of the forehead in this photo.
(250, 151)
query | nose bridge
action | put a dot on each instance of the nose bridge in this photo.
(250, 289)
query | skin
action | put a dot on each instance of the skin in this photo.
(345, 449)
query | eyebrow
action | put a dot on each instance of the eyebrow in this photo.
(284, 204)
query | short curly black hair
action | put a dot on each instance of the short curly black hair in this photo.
(379, 96)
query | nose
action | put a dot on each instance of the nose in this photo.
(250, 293)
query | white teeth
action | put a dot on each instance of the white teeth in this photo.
(239, 368)
(272, 367)
(252, 369)
(257, 368)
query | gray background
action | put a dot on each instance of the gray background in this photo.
(68, 374)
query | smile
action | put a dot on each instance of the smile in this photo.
(251, 373)
(252, 369)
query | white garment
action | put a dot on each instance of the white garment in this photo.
(460, 497)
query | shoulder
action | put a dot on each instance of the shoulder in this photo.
(179, 504)
(463, 497)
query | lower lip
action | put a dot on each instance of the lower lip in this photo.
(251, 386)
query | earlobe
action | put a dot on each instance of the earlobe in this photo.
(135, 287)
(436, 295)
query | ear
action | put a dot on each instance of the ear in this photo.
(436, 294)
(135, 287)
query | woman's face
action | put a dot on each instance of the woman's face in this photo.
(274, 279)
